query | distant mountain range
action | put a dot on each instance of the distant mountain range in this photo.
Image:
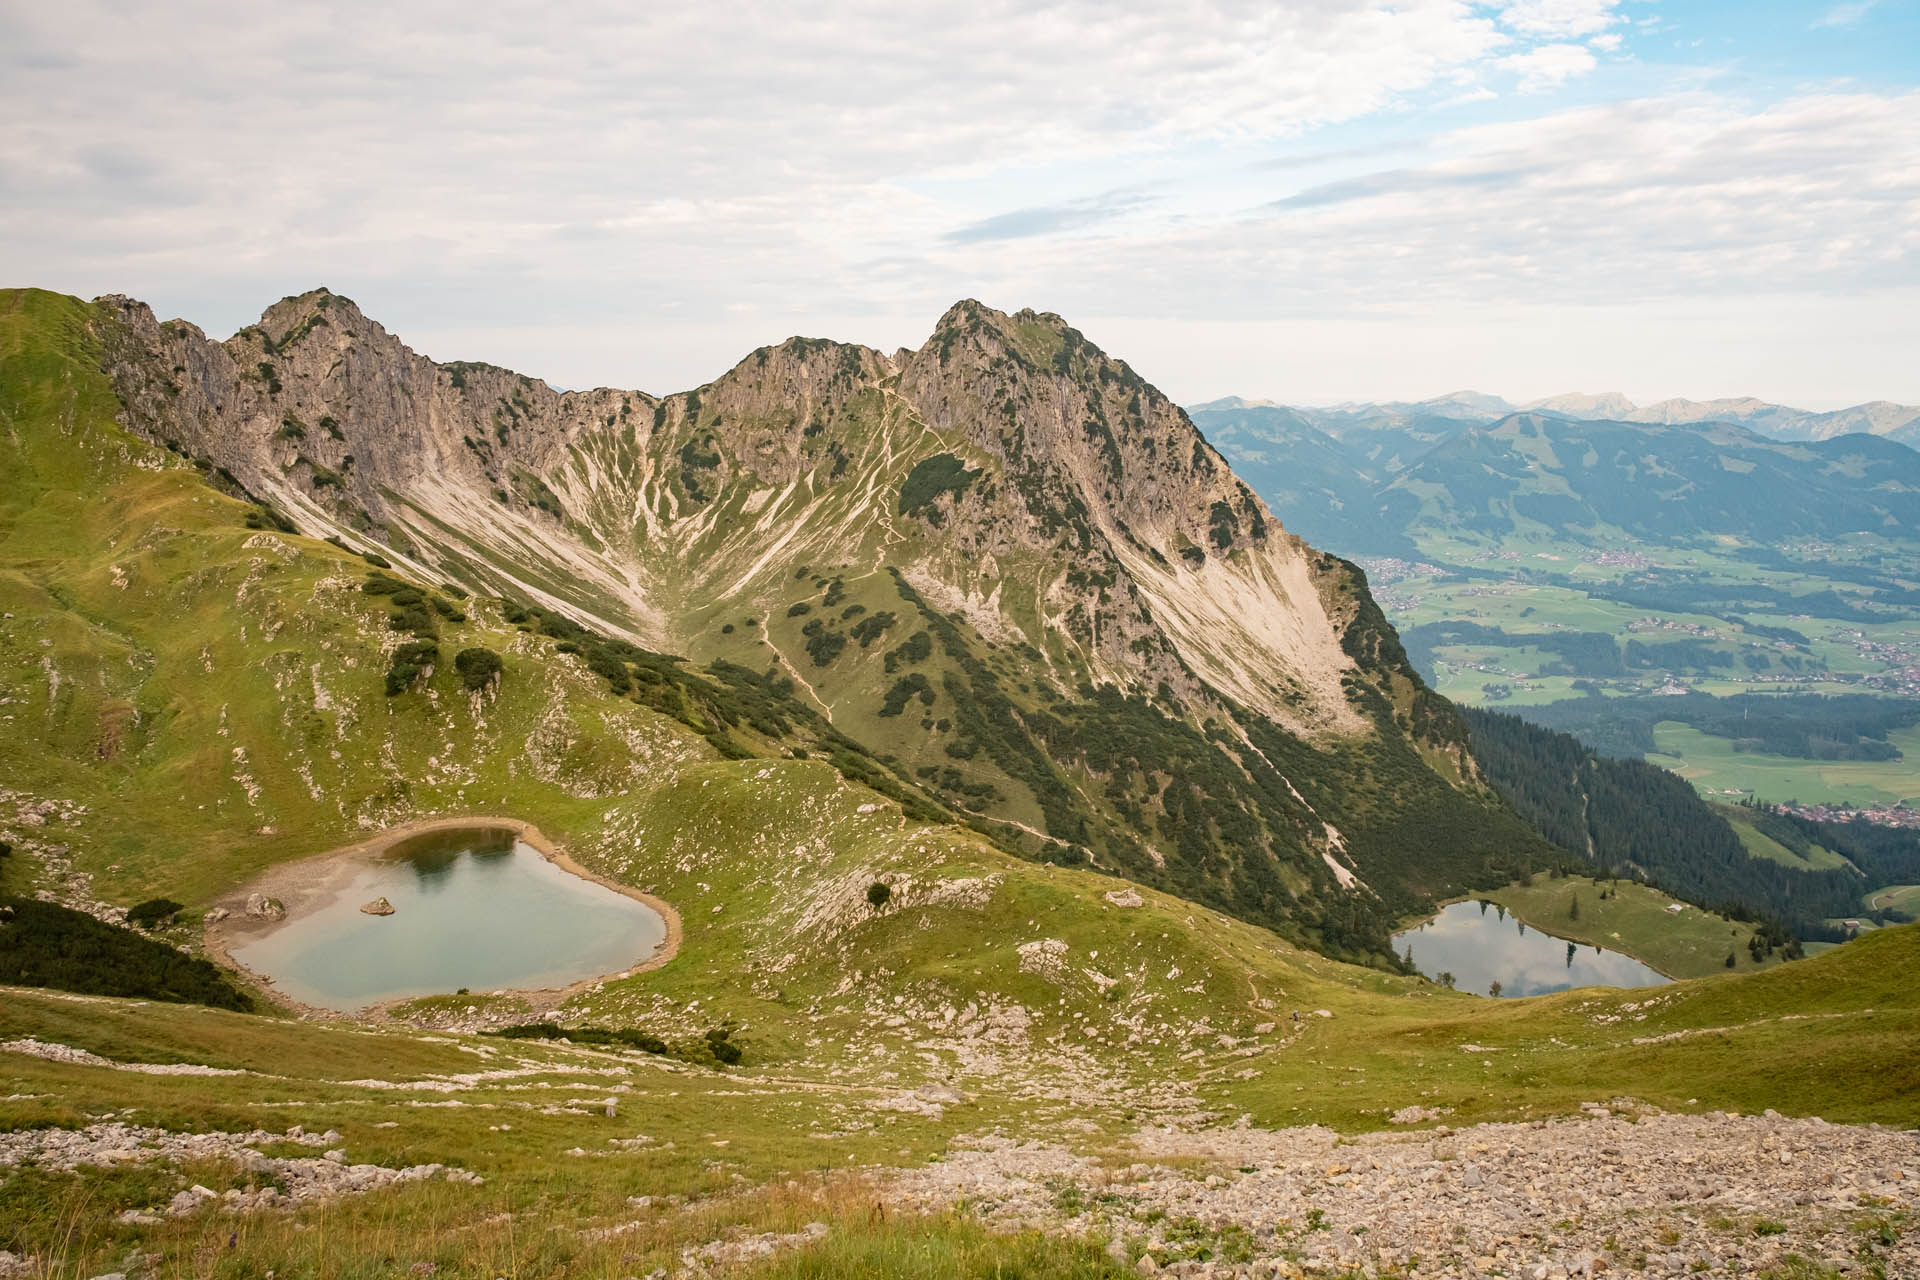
(1899, 422)
(1365, 480)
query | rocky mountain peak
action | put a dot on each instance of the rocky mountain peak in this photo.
(1005, 554)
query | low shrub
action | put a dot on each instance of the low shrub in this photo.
(152, 912)
(409, 660)
(720, 1044)
(478, 667)
(46, 945)
(626, 1037)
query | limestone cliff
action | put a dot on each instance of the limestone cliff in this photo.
(1072, 619)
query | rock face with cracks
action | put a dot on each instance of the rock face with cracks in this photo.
(1006, 536)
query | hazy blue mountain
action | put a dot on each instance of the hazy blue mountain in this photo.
(1324, 489)
(1366, 479)
(1777, 421)
(1655, 481)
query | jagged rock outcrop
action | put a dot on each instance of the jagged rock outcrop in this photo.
(1074, 623)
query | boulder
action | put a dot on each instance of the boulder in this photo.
(378, 907)
(261, 907)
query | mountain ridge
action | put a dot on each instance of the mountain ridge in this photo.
(1885, 418)
(1369, 488)
(1002, 564)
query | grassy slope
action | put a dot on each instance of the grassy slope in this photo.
(1633, 919)
(1761, 845)
(160, 657)
(222, 640)
(1898, 897)
(1829, 1035)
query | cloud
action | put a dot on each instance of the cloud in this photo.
(1845, 15)
(1048, 219)
(1548, 65)
(1560, 19)
(638, 194)
(1646, 202)
(691, 155)
(1319, 159)
(1397, 182)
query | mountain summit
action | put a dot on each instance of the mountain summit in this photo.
(1003, 561)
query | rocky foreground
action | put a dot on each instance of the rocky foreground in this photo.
(1623, 1190)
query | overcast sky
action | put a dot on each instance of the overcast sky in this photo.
(1308, 200)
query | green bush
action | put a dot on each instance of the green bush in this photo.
(720, 1043)
(152, 912)
(409, 660)
(416, 620)
(262, 516)
(917, 649)
(871, 627)
(904, 690)
(942, 473)
(44, 945)
(878, 894)
(478, 667)
(823, 646)
(377, 560)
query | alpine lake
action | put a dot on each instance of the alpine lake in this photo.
(476, 909)
(1480, 944)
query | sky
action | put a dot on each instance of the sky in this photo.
(1305, 200)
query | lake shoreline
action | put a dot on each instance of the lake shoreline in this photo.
(1479, 952)
(1613, 944)
(313, 883)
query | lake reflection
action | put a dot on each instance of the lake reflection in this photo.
(1479, 944)
(471, 909)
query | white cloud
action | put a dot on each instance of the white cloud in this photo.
(599, 197)
(1845, 15)
(1560, 19)
(1548, 65)
(1655, 199)
(1613, 221)
(216, 154)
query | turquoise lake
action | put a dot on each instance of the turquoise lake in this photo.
(478, 910)
(1481, 945)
